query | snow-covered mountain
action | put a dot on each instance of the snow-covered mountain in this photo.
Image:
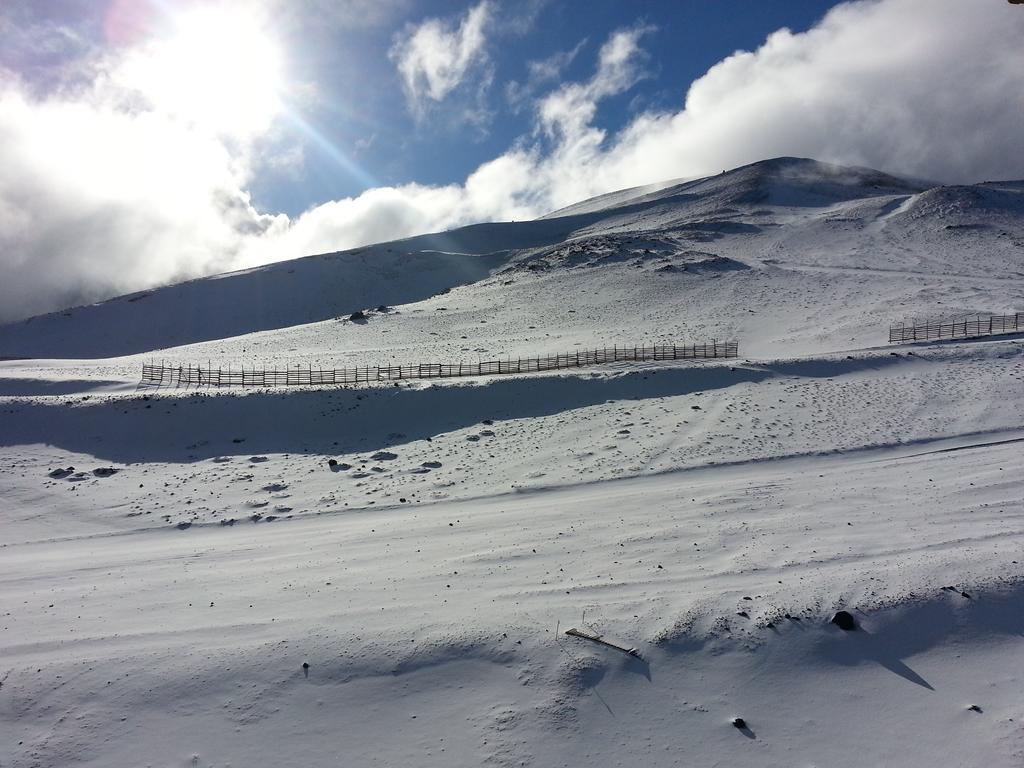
(793, 222)
(187, 581)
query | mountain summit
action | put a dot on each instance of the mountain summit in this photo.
(783, 181)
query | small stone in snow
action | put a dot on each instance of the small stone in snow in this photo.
(739, 722)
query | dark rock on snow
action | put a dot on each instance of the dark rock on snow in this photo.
(844, 620)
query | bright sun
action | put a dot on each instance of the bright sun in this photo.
(218, 69)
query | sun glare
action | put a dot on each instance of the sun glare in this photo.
(218, 69)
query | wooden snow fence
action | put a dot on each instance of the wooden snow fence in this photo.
(171, 375)
(966, 328)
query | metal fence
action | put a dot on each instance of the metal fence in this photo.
(979, 325)
(171, 375)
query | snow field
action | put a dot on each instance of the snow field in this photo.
(161, 592)
(192, 641)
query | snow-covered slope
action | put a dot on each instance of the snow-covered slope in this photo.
(780, 182)
(608, 200)
(813, 221)
(883, 248)
(172, 559)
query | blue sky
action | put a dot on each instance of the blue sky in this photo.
(147, 141)
(365, 133)
(365, 115)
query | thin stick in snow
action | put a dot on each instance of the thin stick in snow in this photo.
(597, 639)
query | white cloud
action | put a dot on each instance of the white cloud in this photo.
(540, 72)
(95, 200)
(569, 111)
(435, 57)
(936, 92)
(100, 195)
(383, 213)
(551, 68)
(519, 18)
